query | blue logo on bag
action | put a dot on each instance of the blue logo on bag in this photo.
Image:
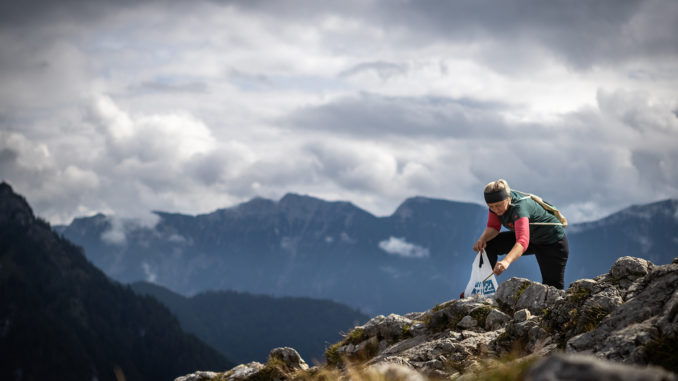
(488, 287)
(484, 288)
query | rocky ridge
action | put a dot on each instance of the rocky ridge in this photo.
(619, 325)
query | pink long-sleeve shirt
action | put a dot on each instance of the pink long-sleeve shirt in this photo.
(521, 228)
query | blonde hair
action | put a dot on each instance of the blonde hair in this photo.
(497, 185)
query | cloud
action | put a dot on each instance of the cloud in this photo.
(123, 108)
(150, 138)
(371, 115)
(151, 276)
(384, 70)
(165, 87)
(402, 248)
(116, 234)
(581, 33)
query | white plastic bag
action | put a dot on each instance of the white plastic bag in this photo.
(482, 280)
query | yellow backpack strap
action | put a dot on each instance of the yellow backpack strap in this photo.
(548, 207)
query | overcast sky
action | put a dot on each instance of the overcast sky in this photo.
(124, 107)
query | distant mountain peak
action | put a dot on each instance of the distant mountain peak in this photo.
(295, 200)
(13, 207)
(255, 204)
(5, 187)
(289, 197)
(422, 204)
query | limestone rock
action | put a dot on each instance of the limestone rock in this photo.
(289, 357)
(452, 312)
(668, 321)
(197, 376)
(584, 285)
(518, 293)
(642, 320)
(616, 318)
(630, 267)
(467, 322)
(242, 371)
(496, 320)
(509, 291)
(607, 299)
(522, 315)
(389, 327)
(537, 297)
(579, 367)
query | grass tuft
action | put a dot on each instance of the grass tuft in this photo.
(332, 356)
(480, 314)
(521, 289)
(591, 318)
(355, 337)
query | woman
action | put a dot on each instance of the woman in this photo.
(533, 231)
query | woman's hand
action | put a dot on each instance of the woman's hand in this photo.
(479, 245)
(501, 266)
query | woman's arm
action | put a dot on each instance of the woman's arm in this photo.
(512, 255)
(522, 227)
(487, 235)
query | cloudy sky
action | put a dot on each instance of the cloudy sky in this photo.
(124, 107)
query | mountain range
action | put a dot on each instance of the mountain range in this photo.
(305, 246)
(244, 327)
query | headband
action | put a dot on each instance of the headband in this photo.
(496, 196)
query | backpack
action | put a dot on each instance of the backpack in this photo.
(549, 208)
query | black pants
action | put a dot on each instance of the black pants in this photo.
(551, 258)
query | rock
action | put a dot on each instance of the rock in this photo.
(197, 376)
(580, 343)
(538, 339)
(580, 367)
(415, 315)
(479, 343)
(533, 297)
(625, 316)
(519, 293)
(496, 320)
(242, 371)
(623, 334)
(608, 300)
(536, 297)
(522, 315)
(553, 295)
(521, 329)
(509, 291)
(398, 360)
(418, 356)
(404, 345)
(467, 322)
(668, 321)
(443, 316)
(368, 348)
(583, 284)
(389, 327)
(630, 267)
(418, 329)
(289, 357)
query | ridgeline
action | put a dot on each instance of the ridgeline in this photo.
(622, 325)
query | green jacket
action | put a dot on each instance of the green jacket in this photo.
(522, 206)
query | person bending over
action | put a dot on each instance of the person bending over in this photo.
(533, 230)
